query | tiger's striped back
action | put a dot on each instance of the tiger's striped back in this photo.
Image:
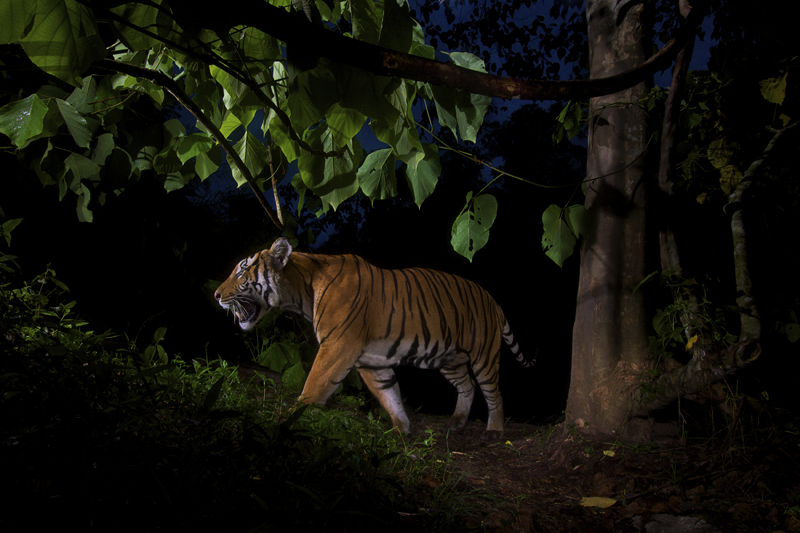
(374, 319)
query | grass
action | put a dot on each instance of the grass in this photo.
(98, 433)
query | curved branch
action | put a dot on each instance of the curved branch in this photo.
(167, 83)
(296, 31)
(701, 371)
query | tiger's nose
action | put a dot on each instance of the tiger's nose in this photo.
(217, 295)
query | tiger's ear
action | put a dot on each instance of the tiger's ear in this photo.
(279, 253)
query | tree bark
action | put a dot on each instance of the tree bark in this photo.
(610, 343)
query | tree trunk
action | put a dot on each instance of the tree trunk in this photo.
(610, 344)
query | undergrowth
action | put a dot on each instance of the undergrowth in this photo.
(97, 433)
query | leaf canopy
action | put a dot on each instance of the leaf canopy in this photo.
(243, 90)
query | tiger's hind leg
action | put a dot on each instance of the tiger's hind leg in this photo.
(488, 377)
(382, 383)
(457, 373)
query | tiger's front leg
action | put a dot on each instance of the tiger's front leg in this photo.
(329, 369)
(382, 383)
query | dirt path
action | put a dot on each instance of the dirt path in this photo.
(538, 479)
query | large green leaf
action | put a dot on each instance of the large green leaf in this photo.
(16, 15)
(418, 46)
(229, 125)
(467, 60)
(344, 123)
(193, 145)
(294, 377)
(76, 124)
(280, 355)
(578, 220)
(49, 169)
(7, 227)
(333, 179)
(280, 136)
(364, 92)
(377, 176)
(23, 120)
(179, 177)
(144, 157)
(63, 40)
(403, 139)
(207, 163)
(118, 168)
(558, 240)
(300, 187)
(470, 110)
(103, 148)
(254, 155)
(397, 26)
(84, 213)
(461, 112)
(82, 168)
(258, 49)
(167, 161)
(148, 17)
(470, 230)
(82, 98)
(311, 93)
(422, 173)
(155, 92)
(366, 21)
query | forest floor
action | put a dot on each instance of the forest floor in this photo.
(744, 478)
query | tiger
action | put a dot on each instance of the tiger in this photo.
(373, 319)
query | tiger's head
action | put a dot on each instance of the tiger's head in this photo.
(253, 288)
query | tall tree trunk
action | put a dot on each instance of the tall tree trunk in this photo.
(610, 343)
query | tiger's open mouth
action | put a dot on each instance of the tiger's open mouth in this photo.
(245, 312)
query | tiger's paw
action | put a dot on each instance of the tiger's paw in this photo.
(457, 422)
(491, 435)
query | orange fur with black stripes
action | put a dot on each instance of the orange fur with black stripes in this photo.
(373, 319)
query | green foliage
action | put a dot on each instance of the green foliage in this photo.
(671, 326)
(570, 121)
(311, 114)
(774, 89)
(716, 150)
(7, 226)
(470, 230)
(96, 431)
(562, 229)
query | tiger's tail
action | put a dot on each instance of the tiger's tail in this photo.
(508, 338)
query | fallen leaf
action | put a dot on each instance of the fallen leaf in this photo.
(598, 502)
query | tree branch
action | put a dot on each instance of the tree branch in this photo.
(670, 256)
(701, 371)
(670, 259)
(297, 32)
